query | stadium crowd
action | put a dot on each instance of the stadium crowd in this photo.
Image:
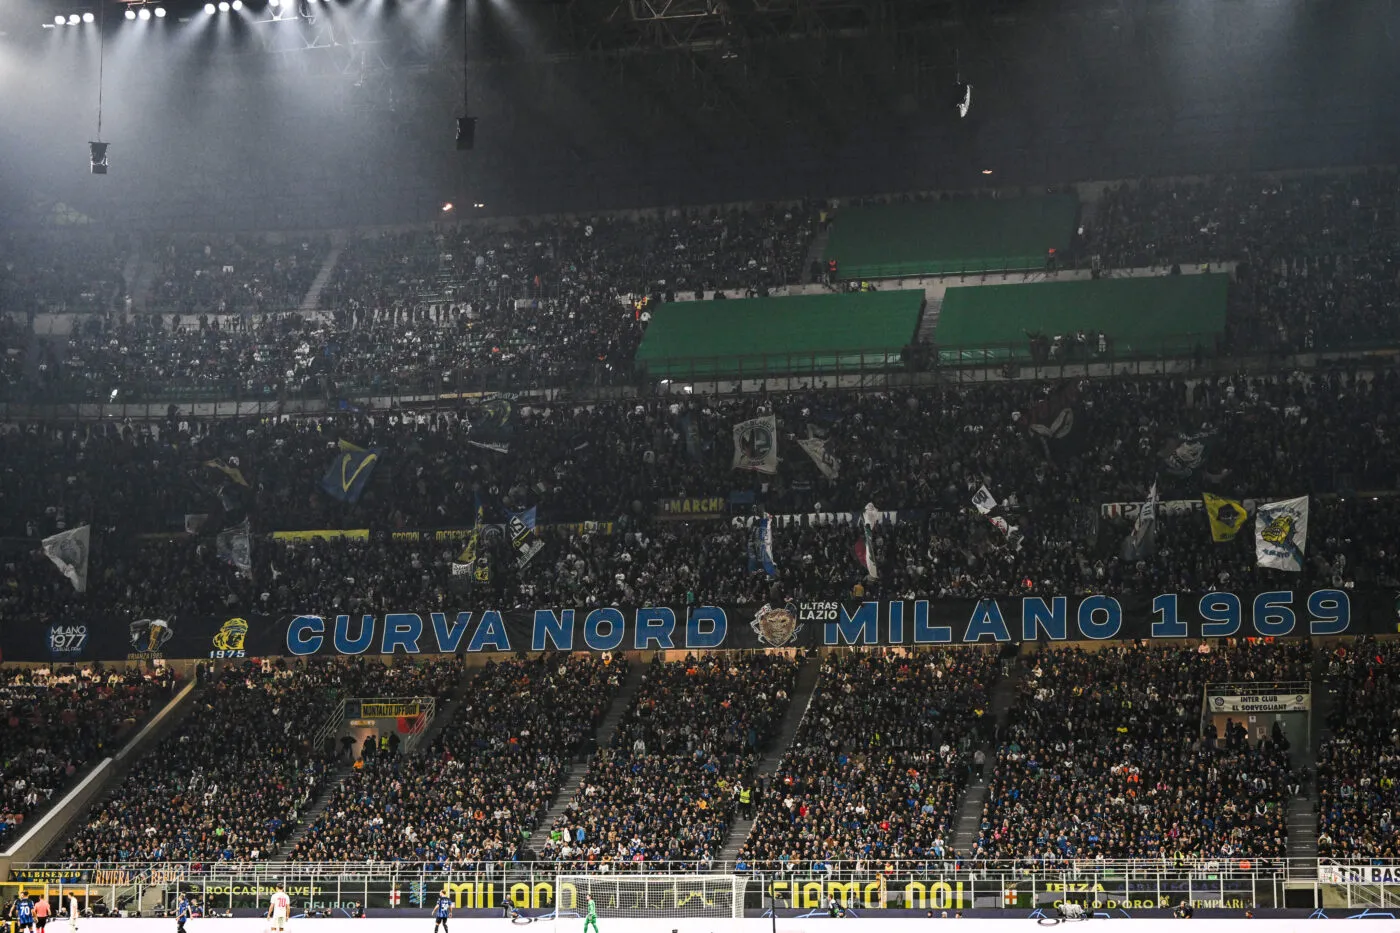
(878, 766)
(243, 275)
(667, 787)
(481, 790)
(1358, 765)
(1104, 757)
(79, 272)
(56, 722)
(229, 782)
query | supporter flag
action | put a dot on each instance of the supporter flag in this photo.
(1226, 516)
(1142, 541)
(69, 552)
(756, 445)
(1057, 422)
(231, 471)
(865, 551)
(1186, 454)
(819, 449)
(235, 545)
(522, 536)
(349, 472)
(761, 546)
(691, 433)
(491, 429)
(1281, 534)
(984, 501)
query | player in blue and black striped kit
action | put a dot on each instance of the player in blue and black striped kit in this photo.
(182, 913)
(24, 912)
(442, 912)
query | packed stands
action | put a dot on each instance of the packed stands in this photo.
(479, 793)
(72, 272)
(1359, 765)
(233, 275)
(229, 783)
(666, 789)
(59, 721)
(879, 764)
(1104, 758)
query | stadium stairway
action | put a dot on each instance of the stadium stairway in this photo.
(975, 797)
(928, 321)
(1301, 814)
(312, 301)
(315, 807)
(602, 739)
(815, 254)
(446, 712)
(808, 673)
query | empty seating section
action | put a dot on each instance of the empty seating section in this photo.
(879, 764)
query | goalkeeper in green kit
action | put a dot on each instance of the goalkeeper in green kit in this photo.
(591, 920)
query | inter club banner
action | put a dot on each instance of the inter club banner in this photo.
(485, 629)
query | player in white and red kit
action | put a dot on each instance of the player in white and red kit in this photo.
(278, 909)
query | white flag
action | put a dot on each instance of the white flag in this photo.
(1281, 534)
(819, 449)
(865, 550)
(756, 445)
(69, 552)
(984, 500)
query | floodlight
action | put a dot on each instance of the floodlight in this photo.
(60, 21)
(89, 18)
(209, 8)
(98, 156)
(74, 19)
(160, 12)
(223, 6)
(237, 4)
(145, 14)
(130, 14)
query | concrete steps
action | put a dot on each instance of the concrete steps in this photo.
(808, 673)
(312, 300)
(602, 739)
(928, 321)
(975, 797)
(816, 252)
(316, 807)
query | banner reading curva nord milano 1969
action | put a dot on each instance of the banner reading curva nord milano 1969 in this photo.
(1274, 614)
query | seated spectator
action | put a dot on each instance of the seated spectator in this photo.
(481, 790)
(59, 721)
(879, 764)
(663, 791)
(1106, 758)
(1359, 764)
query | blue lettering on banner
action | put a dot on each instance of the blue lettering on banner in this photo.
(1089, 624)
(449, 637)
(490, 633)
(654, 625)
(558, 627)
(401, 630)
(863, 628)
(344, 644)
(306, 634)
(598, 640)
(925, 634)
(706, 628)
(986, 620)
(1275, 613)
(1037, 616)
(1330, 611)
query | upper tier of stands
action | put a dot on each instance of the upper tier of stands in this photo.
(58, 723)
(879, 764)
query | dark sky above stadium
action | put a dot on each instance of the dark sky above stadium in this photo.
(342, 112)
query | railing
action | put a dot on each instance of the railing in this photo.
(914, 884)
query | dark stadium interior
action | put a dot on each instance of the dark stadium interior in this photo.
(382, 515)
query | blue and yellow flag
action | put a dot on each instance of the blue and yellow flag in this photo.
(348, 474)
(1227, 516)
